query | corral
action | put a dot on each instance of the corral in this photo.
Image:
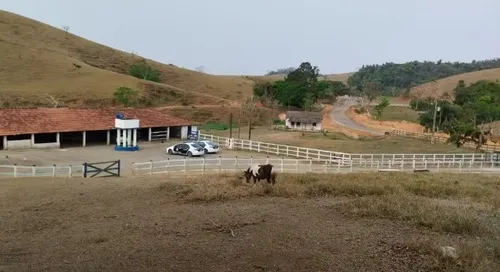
(65, 127)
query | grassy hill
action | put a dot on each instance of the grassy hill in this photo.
(42, 64)
(446, 85)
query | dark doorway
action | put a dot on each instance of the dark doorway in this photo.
(175, 132)
(71, 139)
(96, 137)
(1, 142)
(45, 138)
(143, 135)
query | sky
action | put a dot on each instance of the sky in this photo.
(252, 37)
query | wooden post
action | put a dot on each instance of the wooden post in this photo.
(53, 170)
(231, 125)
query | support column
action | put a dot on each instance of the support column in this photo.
(118, 131)
(168, 133)
(4, 142)
(134, 139)
(129, 138)
(149, 135)
(32, 140)
(125, 138)
(84, 142)
(108, 137)
(58, 138)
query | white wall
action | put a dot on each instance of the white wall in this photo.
(184, 132)
(303, 126)
(18, 144)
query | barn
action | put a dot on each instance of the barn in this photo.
(66, 127)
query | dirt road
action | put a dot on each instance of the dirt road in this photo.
(339, 116)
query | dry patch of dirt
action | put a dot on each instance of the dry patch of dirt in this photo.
(304, 223)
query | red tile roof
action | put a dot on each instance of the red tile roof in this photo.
(49, 120)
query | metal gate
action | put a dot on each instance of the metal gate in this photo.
(101, 169)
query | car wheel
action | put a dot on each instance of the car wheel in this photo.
(205, 151)
(190, 154)
(170, 152)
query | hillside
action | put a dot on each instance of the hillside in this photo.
(42, 64)
(446, 85)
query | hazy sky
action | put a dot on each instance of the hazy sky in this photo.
(254, 36)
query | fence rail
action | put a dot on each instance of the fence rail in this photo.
(225, 165)
(442, 140)
(332, 156)
(40, 171)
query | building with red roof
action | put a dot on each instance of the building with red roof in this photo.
(64, 127)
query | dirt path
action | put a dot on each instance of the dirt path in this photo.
(339, 116)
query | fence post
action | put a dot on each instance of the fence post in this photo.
(251, 160)
(460, 167)
(84, 168)
(413, 164)
(310, 165)
(267, 160)
(258, 146)
(70, 171)
(326, 167)
(33, 168)
(338, 166)
(425, 164)
(481, 167)
(236, 164)
(15, 170)
(307, 153)
(282, 164)
(287, 150)
(437, 166)
(402, 165)
(277, 149)
(203, 167)
(54, 170)
(350, 168)
(220, 166)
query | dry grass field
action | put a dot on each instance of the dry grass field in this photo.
(398, 114)
(338, 142)
(41, 61)
(352, 222)
(446, 85)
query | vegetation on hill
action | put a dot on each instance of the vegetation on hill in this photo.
(474, 106)
(393, 79)
(300, 88)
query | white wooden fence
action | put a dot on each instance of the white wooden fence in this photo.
(333, 156)
(231, 165)
(40, 171)
(437, 139)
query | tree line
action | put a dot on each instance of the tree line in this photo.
(393, 79)
(300, 88)
(465, 117)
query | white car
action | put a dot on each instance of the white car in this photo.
(187, 149)
(209, 146)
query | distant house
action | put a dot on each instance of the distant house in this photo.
(304, 120)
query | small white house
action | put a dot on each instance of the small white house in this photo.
(304, 120)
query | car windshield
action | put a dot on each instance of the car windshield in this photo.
(201, 143)
(196, 145)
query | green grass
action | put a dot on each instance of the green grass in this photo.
(216, 126)
(398, 114)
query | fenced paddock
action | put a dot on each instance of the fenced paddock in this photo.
(233, 165)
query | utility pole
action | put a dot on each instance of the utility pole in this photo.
(250, 128)
(231, 125)
(434, 120)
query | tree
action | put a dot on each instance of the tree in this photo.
(384, 103)
(66, 29)
(126, 96)
(200, 69)
(282, 71)
(396, 78)
(144, 71)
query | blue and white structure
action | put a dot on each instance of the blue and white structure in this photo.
(126, 133)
